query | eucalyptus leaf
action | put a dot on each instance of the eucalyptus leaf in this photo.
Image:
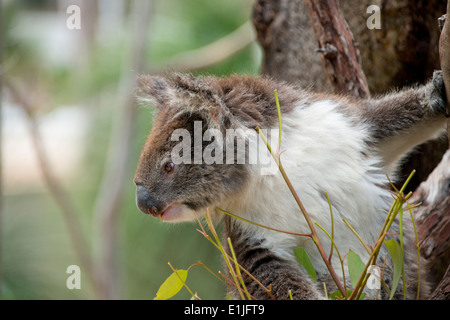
(337, 295)
(355, 267)
(305, 262)
(172, 285)
(396, 255)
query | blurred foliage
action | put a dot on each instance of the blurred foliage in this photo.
(35, 247)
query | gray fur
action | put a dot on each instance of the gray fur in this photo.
(391, 125)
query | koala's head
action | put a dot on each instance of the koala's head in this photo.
(173, 178)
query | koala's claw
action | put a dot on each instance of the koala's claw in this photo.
(438, 99)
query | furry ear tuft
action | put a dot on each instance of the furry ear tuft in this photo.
(186, 94)
(187, 83)
(199, 94)
(154, 90)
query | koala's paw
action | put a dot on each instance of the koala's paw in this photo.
(438, 99)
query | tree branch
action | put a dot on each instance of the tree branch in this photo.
(1, 156)
(436, 237)
(211, 53)
(55, 188)
(444, 55)
(340, 56)
(433, 218)
(442, 292)
(107, 206)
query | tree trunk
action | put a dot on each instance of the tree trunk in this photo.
(340, 56)
(442, 292)
(402, 52)
(433, 220)
(440, 235)
(289, 43)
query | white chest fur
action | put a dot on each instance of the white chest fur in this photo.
(324, 153)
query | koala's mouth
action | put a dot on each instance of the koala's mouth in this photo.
(171, 212)
(176, 212)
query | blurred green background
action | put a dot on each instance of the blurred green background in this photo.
(72, 79)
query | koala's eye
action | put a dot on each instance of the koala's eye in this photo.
(168, 167)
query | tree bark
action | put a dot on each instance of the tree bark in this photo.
(433, 219)
(289, 44)
(442, 292)
(444, 56)
(403, 52)
(340, 57)
(439, 236)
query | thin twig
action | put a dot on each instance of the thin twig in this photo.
(263, 226)
(1, 157)
(56, 189)
(356, 234)
(396, 206)
(314, 235)
(220, 248)
(340, 58)
(182, 281)
(117, 166)
(332, 224)
(211, 53)
(238, 271)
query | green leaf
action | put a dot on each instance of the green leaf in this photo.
(396, 255)
(305, 262)
(172, 285)
(337, 295)
(355, 267)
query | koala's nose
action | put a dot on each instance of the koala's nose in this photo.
(145, 202)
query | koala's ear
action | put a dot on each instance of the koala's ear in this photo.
(186, 82)
(200, 95)
(154, 90)
(188, 94)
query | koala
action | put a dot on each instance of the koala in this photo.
(334, 147)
